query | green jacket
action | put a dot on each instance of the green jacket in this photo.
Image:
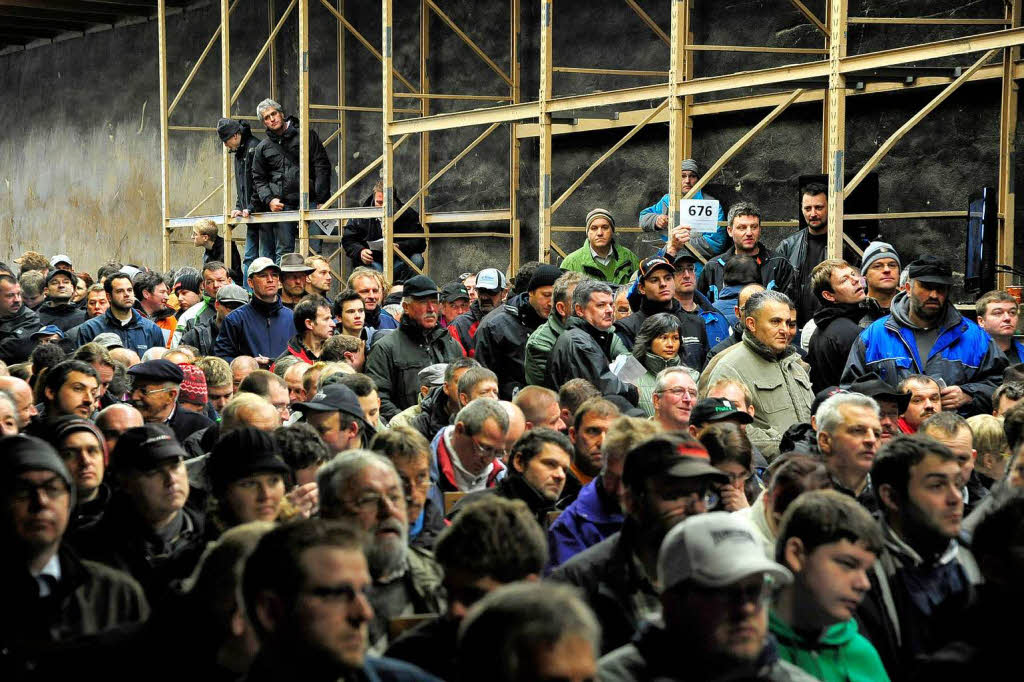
(620, 268)
(841, 654)
(645, 384)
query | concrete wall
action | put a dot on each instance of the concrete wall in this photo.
(80, 163)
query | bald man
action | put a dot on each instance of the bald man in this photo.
(22, 394)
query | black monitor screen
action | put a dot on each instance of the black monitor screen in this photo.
(982, 233)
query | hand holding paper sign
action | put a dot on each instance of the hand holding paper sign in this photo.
(700, 214)
(628, 369)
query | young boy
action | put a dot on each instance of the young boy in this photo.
(829, 542)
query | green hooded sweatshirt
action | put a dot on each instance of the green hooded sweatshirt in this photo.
(841, 654)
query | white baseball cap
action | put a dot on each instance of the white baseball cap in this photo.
(714, 550)
(491, 279)
(60, 258)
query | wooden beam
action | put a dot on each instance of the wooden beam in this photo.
(204, 200)
(263, 51)
(914, 120)
(609, 72)
(650, 22)
(544, 244)
(225, 112)
(836, 157)
(906, 215)
(388, 151)
(469, 41)
(926, 21)
(366, 43)
(199, 62)
(741, 143)
(451, 164)
(304, 123)
(604, 157)
(810, 16)
(513, 139)
(746, 48)
(348, 184)
(1008, 115)
(165, 210)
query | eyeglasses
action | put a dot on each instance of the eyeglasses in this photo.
(372, 502)
(52, 489)
(489, 452)
(145, 392)
(740, 595)
(420, 482)
(679, 392)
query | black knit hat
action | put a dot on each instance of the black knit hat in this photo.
(544, 276)
(189, 281)
(226, 127)
(244, 452)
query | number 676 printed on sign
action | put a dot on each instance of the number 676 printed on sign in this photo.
(701, 215)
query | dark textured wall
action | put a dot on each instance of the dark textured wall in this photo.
(80, 163)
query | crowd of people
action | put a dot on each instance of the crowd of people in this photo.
(713, 462)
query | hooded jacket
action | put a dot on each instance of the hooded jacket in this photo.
(779, 384)
(202, 336)
(246, 197)
(916, 604)
(837, 327)
(276, 174)
(395, 360)
(659, 656)
(693, 335)
(359, 232)
(501, 342)
(583, 351)
(591, 518)
(776, 273)
(16, 335)
(621, 266)
(139, 335)
(964, 354)
(442, 469)
(65, 315)
(463, 328)
(841, 654)
(257, 328)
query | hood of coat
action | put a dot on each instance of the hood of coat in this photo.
(831, 312)
(656, 363)
(900, 311)
(519, 305)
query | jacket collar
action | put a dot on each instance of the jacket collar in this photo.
(900, 313)
(751, 342)
(649, 307)
(656, 363)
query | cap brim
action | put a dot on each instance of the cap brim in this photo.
(731, 569)
(661, 266)
(935, 279)
(694, 468)
(315, 407)
(421, 293)
(742, 417)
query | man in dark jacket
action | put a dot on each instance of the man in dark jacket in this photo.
(584, 349)
(841, 317)
(924, 580)
(135, 331)
(275, 171)
(539, 464)
(361, 232)
(666, 479)
(924, 334)
(155, 388)
(657, 288)
(491, 287)
(259, 237)
(262, 327)
(745, 231)
(441, 404)
(17, 322)
(501, 337)
(806, 248)
(58, 309)
(57, 595)
(204, 334)
(147, 530)
(395, 360)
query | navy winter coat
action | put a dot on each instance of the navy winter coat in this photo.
(139, 335)
(257, 328)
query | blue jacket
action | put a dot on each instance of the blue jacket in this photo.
(139, 335)
(726, 303)
(584, 523)
(964, 355)
(717, 324)
(1016, 353)
(257, 328)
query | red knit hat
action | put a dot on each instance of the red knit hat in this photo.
(193, 388)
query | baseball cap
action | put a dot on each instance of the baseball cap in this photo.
(716, 410)
(232, 293)
(453, 291)
(649, 265)
(60, 258)
(823, 395)
(294, 262)
(670, 454)
(158, 370)
(58, 273)
(432, 375)
(871, 385)
(930, 270)
(146, 447)
(333, 398)
(108, 340)
(261, 264)
(47, 330)
(491, 279)
(714, 550)
(420, 286)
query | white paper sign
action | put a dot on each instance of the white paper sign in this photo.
(627, 368)
(700, 214)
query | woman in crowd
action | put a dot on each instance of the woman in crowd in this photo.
(249, 479)
(656, 347)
